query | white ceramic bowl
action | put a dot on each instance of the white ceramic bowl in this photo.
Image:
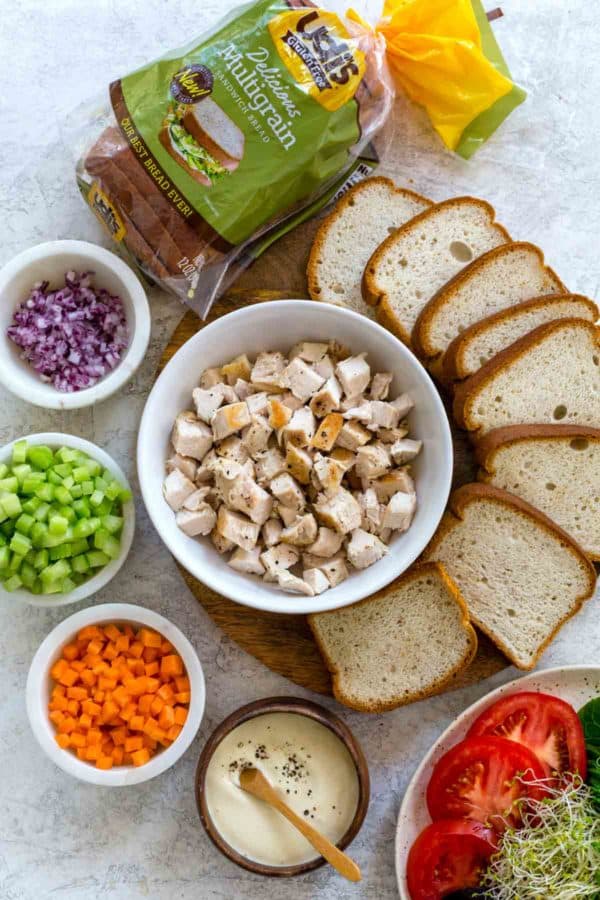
(54, 440)
(278, 326)
(39, 683)
(49, 262)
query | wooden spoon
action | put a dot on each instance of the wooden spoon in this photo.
(254, 782)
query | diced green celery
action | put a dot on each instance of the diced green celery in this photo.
(67, 586)
(62, 495)
(104, 508)
(15, 562)
(68, 512)
(57, 525)
(63, 551)
(53, 478)
(30, 556)
(3, 541)
(24, 523)
(32, 482)
(80, 474)
(80, 563)
(83, 528)
(94, 468)
(10, 484)
(19, 452)
(4, 557)
(45, 492)
(7, 528)
(11, 505)
(50, 587)
(63, 469)
(69, 482)
(76, 491)
(112, 547)
(13, 583)
(39, 533)
(56, 572)
(100, 538)
(78, 577)
(41, 456)
(95, 523)
(100, 484)
(31, 505)
(87, 487)
(125, 495)
(67, 455)
(113, 490)
(20, 544)
(3, 470)
(21, 472)
(42, 558)
(82, 508)
(41, 513)
(55, 540)
(28, 575)
(80, 546)
(97, 558)
(36, 587)
(96, 498)
(113, 524)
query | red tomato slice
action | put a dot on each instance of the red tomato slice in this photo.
(447, 856)
(477, 780)
(548, 726)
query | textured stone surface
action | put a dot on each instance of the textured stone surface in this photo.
(60, 838)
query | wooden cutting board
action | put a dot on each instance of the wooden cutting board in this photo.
(284, 643)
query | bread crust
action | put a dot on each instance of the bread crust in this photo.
(453, 358)
(343, 203)
(467, 390)
(437, 686)
(446, 294)
(165, 140)
(469, 493)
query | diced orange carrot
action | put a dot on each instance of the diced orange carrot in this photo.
(145, 703)
(59, 703)
(85, 722)
(73, 707)
(150, 638)
(152, 668)
(136, 723)
(68, 677)
(181, 715)
(128, 711)
(122, 643)
(78, 665)
(95, 647)
(150, 725)
(117, 756)
(152, 685)
(165, 648)
(171, 665)
(88, 678)
(174, 732)
(133, 743)
(58, 668)
(106, 684)
(110, 652)
(112, 632)
(121, 696)
(77, 739)
(128, 630)
(59, 690)
(149, 742)
(140, 757)
(62, 740)
(138, 686)
(56, 716)
(94, 737)
(100, 668)
(98, 696)
(136, 649)
(70, 652)
(182, 683)
(184, 697)
(77, 693)
(119, 735)
(91, 708)
(157, 705)
(104, 762)
(81, 753)
(109, 709)
(89, 633)
(166, 693)
(92, 753)
(150, 654)
(166, 718)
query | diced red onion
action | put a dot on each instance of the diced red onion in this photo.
(72, 336)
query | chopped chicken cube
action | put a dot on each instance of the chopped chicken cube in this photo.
(384, 415)
(206, 469)
(185, 464)
(198, 521)
(256, 436)
(190, 436)
(243, 389)
(405, 450)
(354, 374)
(324, 367)
(396, 480)
(269, 464)
(238, 368)
(246, 561)
(194, 501)
(279, 558)
(287, 514)
(372, 511)
(229, 419)
(391, 435)
(246, 496)
(288, 491)
(271, 532)
(352, 436)
(380, 385)
(208, 401)
(334, 569)
(327, 544)
(343, 456)
(226, 472)
(302, 379)
(362, 412)
(177, 488)
(232, 448)
(338, 351)
(266, 372)
(210, 377)
(300, 429)
(229, 394)
(328, 431)
(258, 403)
(400, 511)
(280, 414)
(238, 529)
(294, 585)
(290, 401)
(298, 463)
(329, 473)
(221, 544)
(372, 461)
(301, 532)
(327, 399)
(364, 549)
(340, 512)
(316, 580)
(404, 403)
(310, 351)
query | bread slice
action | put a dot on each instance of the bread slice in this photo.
(404, 643)
(520, 574)
(476, 345)
(210, 125)
(553, 467)
(500, 278)
(359, 222)
(550, 375)
(412, 264)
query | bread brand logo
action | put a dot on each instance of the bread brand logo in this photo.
(320, 54)
(191, 84)
(106, 212)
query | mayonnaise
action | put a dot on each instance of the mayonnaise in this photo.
(310, 767)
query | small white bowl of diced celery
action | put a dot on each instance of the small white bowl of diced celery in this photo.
(66, 519)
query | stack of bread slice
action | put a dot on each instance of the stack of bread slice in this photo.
(520, 357)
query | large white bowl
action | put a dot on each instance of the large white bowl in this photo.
(39, 682)
(278, 326)
(50, 262)
(54, 440)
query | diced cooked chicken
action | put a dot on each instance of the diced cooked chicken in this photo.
(271, 532)
(329, 473)
(206, 469)
(177, 488)
(266, 372)
(365, 549)
(279, 415)
(301, 532)
(190, 436)
(354, 374)
(185, 464)
(372, 461)
(388, 485)
(327, 543)
(232, 448)
(405, 450)
(324, 367)
(361, 413)
(210, 377)
(316, 580)
(404, 403)
(237, 528)
(229, 394)
(334, 569)
(298, 463)
(194, 501)
(383, 415)
(391, 435)
(288, 399)
(328, 398)
(226, 473)
(198, 521)
(229, 419)
(341, 511)
(380, 385)
(310, 351)
(269, 464)
(346, 457)
(294, 585)
(208, 401)
(372, 511)
(328, 431)
(258, 403)
(353, 435)
(246, 561)
(238, 368)
(246, 496)
(288, 491)
(301, 379)
(300, 429)
(221, 544)
(243, 389)
(287, 514)
(256, 436)
(279, 558)
(400, 511)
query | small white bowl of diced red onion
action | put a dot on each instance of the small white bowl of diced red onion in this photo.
(75, 324)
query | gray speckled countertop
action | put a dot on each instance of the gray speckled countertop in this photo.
(63, 839)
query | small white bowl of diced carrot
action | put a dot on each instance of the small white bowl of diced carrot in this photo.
(115, 694)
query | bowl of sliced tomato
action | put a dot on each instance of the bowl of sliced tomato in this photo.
(504, 784)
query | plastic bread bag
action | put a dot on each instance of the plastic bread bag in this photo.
(201, 159)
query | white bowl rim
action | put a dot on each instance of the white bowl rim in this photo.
(118, 776)
(283, 602)
(97, 582)
(27, 389)
(522, 682)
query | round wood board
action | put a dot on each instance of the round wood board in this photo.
(284, 643)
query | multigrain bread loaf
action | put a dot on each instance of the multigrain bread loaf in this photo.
(550, 375)
(413, 263)
(521, 575)
(476, 345)
(359, 222)
(404, 643)
(556, 468)
(500, 278)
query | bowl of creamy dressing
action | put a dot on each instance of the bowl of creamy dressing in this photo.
(312, 759)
